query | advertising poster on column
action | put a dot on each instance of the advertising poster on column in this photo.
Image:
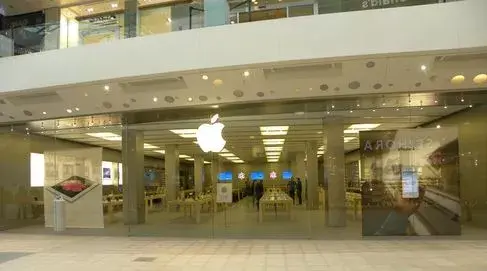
(410, 182)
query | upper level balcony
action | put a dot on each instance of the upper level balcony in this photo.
(113, 54)
(91, 22)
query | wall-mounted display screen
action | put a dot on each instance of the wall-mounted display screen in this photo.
(256, 175)
(287, 175)
(225, 176)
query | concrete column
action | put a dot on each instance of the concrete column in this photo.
(216, 12)
(300, 166)
(171, 161)
(334, 163)
(133, 176)
(131, 18)
(53, 30)
(199, 174)
(312, 175)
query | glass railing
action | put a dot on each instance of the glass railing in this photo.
(73, 33)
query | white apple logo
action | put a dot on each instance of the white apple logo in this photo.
(209, 136)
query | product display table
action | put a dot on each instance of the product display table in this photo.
(194, 206)
(275, 200)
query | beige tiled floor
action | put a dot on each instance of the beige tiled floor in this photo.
(73, 253)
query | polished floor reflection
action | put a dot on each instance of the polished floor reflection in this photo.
(121, 253)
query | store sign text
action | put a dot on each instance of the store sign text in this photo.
(380, 3)
(398, 144)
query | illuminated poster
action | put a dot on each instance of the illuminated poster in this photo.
(410, 182)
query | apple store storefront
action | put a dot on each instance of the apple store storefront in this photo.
(374, 166)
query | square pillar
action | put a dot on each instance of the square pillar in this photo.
(133, 176)
(300, 166)
(199, 174)
(312, 175)
(216, 12)
(171, 162)
(131, 18)
(53, 28)
(334, 163)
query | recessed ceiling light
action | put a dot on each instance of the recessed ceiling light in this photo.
(445, 107)
(106, 87)
(470, 106)
(351, 111)
(69, 110)
(44, 113)
(246, 73)
(274, 141)
(480, 78)
(190, 99)
(76, 108)
(204, 77)
(457, 79)
(217, 82)
(438, 126)
(423, 67)
(90, 9)
(155, 99)
(114, 5)
(274, 130)
(185, 133)
(273, 149)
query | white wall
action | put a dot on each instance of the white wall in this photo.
(452, 26)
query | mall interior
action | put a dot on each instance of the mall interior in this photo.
(345, 147)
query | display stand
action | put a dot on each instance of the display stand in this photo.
(59, 214)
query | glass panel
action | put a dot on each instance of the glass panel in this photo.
(262, 15)
(297, 11)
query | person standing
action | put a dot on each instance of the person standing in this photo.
(299, 189)
(259, 192)
(291, 188)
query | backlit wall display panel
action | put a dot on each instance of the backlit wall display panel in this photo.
(225, 176)
(411, 182)
(37, 170)
(287, 175)
(256, 175)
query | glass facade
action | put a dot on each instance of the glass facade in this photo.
(377, 165)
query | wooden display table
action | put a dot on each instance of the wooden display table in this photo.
(275, 200)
